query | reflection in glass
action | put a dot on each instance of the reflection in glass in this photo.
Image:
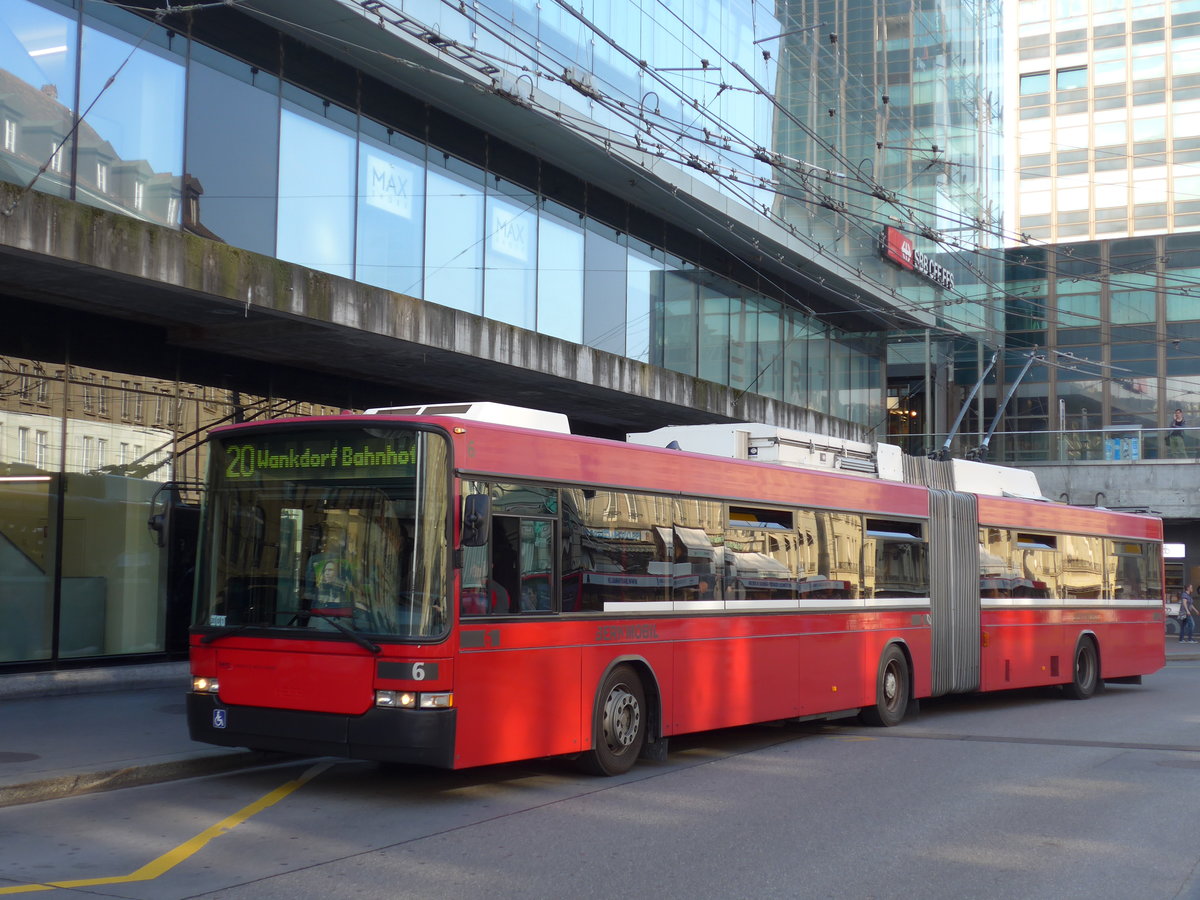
(819, 399)
(743, 343)
(26, 568)
(391, 218)
(560, 277)
(604, 289)
(111, 570)
(510, 284)
(615, 559)
(698, 571)
(234, 110)
(714, 334)
(37, 82)
(839, 377)
(301, 550)
(795, 360)
(768, 379)
(1134, 569)
(316, 193)
(680, 352)
(643, 304)
(130, 151)
(454, 240)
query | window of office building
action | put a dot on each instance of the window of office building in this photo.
(796, 335)
(682, 344)
(644, 306)
(454, 232)
(560, 272)
(605, 278)
(316, 187)
(1036, 83)
(232, 108)
(391, 210)
(510, 254)
(1071, 79)
(135, 134)
(716, 301)
(39, 48)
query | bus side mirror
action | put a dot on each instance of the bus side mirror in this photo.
(157, 524)
(477, 519)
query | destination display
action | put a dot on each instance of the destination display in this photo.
(319, 455)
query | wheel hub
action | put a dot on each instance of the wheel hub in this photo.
(622, 718)
(889, 686)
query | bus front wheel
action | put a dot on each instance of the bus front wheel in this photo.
(619, 724)
(891, 690)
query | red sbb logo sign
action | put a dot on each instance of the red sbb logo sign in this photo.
(898, 247)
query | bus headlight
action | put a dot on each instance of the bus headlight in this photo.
(396, 699)
(411, 700)
(202, 685)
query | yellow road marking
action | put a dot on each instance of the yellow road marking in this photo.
(172, 858)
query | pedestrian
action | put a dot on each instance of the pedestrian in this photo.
(1187, 627)
(1176, 447)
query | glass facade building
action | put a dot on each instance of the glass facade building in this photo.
(744, 157)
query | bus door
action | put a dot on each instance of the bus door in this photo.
(517, 689)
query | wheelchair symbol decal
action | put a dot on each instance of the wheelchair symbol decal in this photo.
(219, 718)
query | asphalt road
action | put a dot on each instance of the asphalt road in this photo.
(1022, 795)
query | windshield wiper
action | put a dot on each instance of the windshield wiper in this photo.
(226, 632)
(335, 620)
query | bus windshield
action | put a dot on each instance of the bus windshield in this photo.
(342, 531)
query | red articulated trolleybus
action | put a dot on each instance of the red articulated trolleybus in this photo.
(422, 585)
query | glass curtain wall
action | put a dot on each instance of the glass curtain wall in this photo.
(272, 168)
(1118, 326)
(891, 111)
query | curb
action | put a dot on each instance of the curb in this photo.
(94, 681)
(135, 776)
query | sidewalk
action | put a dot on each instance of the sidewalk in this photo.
(67, 733)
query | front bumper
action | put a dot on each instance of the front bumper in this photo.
(419, 736)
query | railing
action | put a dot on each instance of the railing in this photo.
(1115, 445)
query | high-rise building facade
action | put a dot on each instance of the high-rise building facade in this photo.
(1108, 125)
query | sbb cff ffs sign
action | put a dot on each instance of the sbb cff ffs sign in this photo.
(898, 247)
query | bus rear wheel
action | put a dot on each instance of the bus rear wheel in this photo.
(619, 726)
(891, 690)
(1087, 672)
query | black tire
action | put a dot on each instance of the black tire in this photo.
(1086, 680)
(618, 724)
(891, 691)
